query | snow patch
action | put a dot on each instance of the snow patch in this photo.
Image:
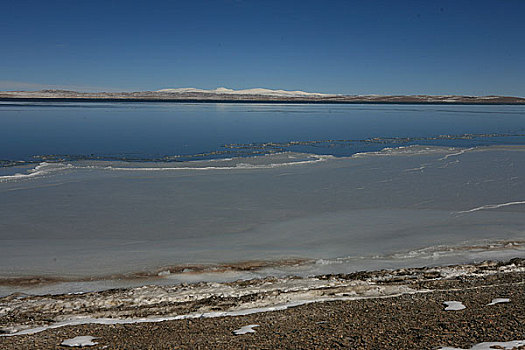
(246, 329)
(492, 345)
(454, 305)
(499, 300)
(85, 340)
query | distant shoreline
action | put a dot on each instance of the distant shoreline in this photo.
(223, 95)
(250, 101)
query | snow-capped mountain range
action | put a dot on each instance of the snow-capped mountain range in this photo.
(255, 91)
(255, 95)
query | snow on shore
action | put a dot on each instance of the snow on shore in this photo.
(80, 341)
(516, 344)
(245, 329)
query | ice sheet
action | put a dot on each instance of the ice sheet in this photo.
(97, 219)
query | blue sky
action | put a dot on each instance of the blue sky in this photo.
(351, 47)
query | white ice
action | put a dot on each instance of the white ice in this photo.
(492, 345)
(109, 321)
(456, 154)
(454, 305)
(246, 329)
(491, 206)
(191, 217)
(499, 300)
(299, 300)
(85, 340)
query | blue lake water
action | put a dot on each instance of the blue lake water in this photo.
(155, 130)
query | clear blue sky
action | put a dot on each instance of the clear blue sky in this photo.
(352, 47)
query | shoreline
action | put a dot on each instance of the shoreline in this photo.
(222, 95)
(253, 270)
(255, 101)
(197, 316)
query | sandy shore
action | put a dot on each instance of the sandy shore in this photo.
(409, 313)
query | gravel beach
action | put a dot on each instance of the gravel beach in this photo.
(411, 320)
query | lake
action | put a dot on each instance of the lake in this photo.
(142, 131)
(101, 195)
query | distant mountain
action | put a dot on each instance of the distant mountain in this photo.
(250, 95)
(256, 91)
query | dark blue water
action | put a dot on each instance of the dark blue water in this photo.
(147, 131)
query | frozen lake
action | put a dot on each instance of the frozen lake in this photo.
(89, 211)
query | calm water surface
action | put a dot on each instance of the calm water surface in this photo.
(153, 130)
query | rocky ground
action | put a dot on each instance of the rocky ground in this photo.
(413, 319)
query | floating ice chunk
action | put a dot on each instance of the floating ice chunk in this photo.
(454, 305)
(85, 340)
(493, 345)
(499, 300)
(245, 329)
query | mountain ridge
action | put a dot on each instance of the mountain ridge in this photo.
(252, 91)
(253, 95)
